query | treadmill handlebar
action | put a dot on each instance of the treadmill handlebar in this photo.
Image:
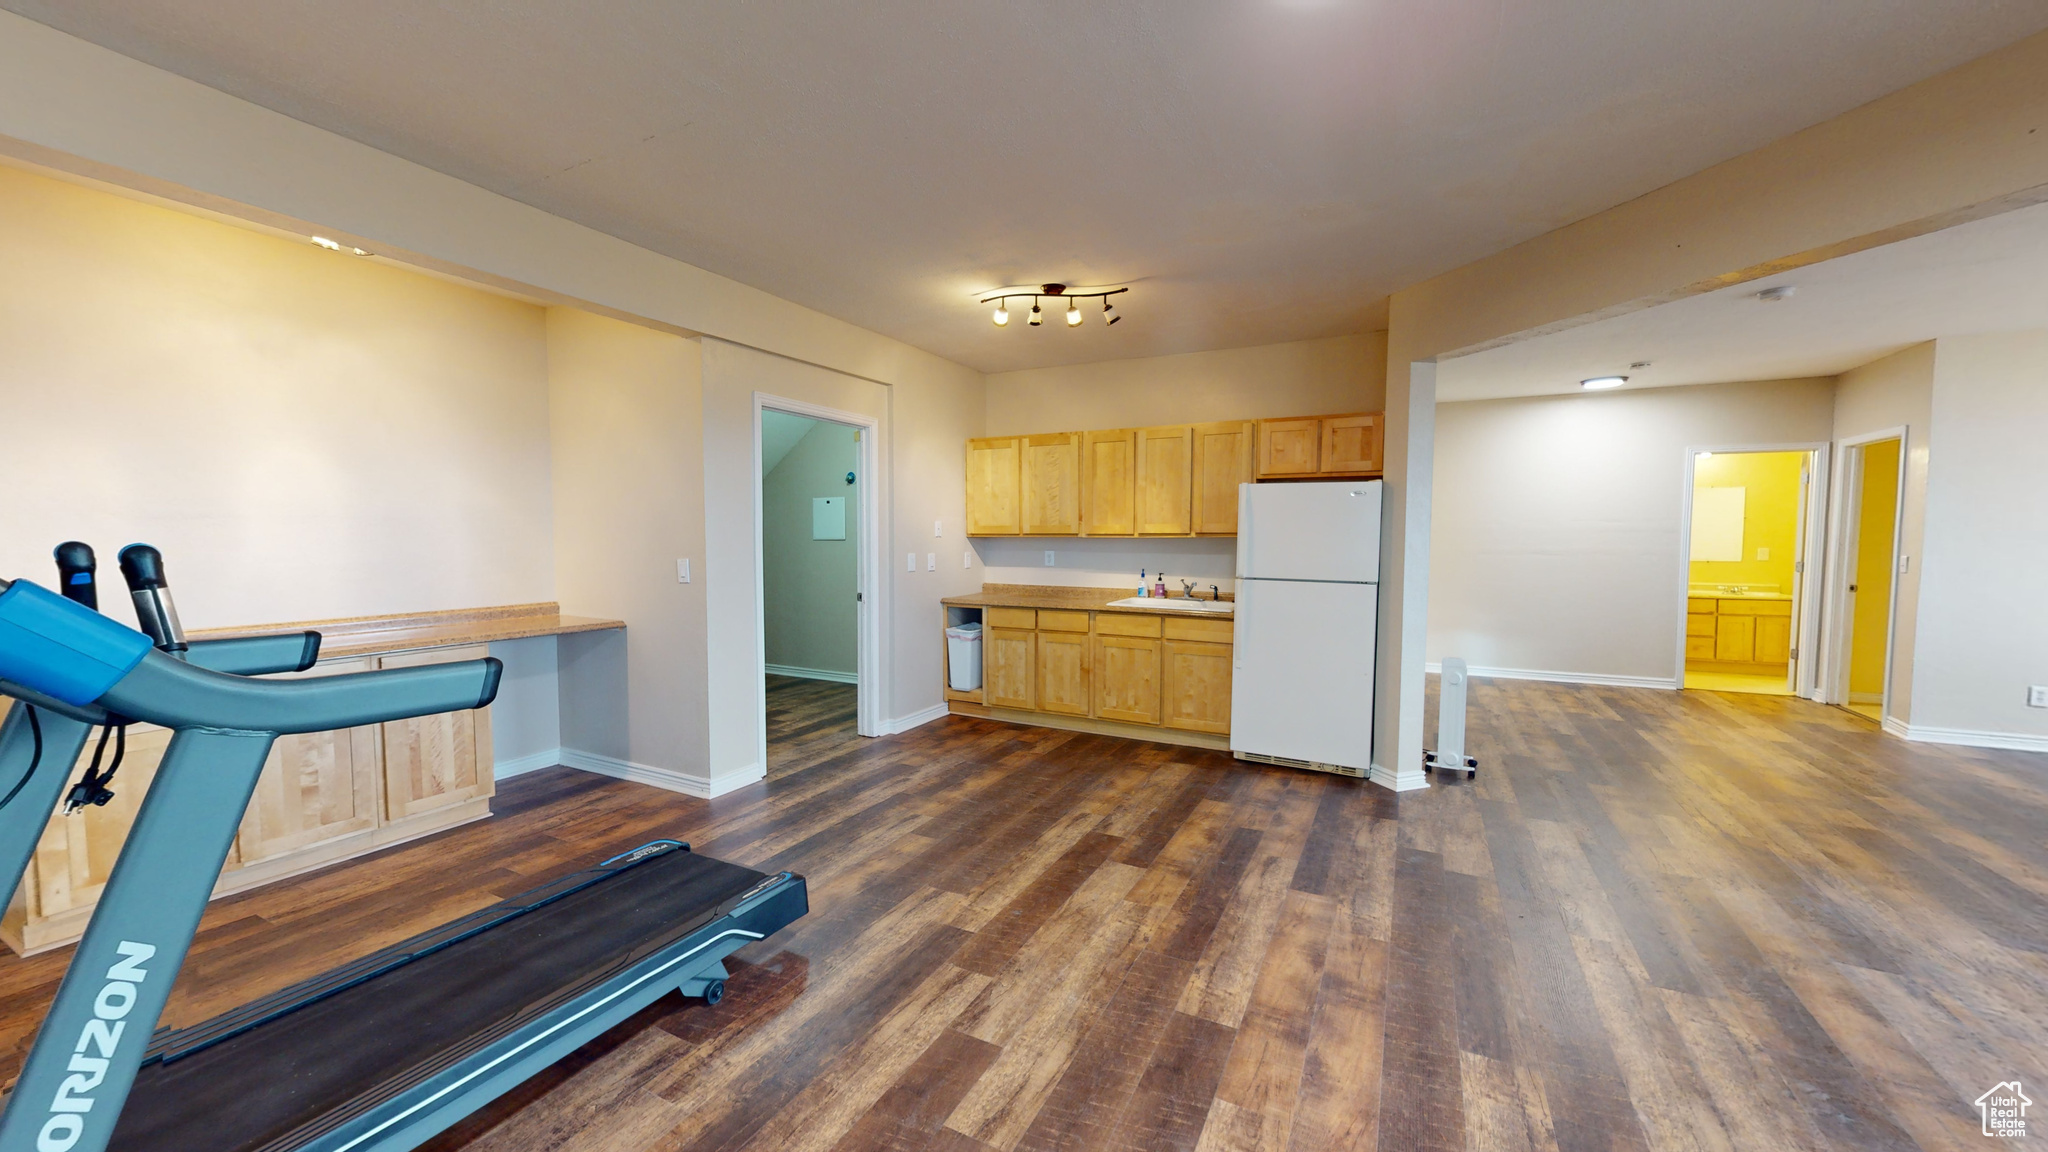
(143, 568)
(164, 690)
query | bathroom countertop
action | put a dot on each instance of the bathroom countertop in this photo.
(1069, 599)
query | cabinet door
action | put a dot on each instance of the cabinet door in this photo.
(1223, 460)
(1063, 672)
(1108, 482)
(1351, 443)
(1166, 480)
(77, 852)
(1773, 639)
(1735, 638)
(1052, 484)
(1008, 661)
(315, 786)
(1289, 447)
(1198, 686)
(1127, 679)
(993, 474)
(1699, 647)
(436, 761)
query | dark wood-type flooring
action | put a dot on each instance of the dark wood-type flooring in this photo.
(1672, 920)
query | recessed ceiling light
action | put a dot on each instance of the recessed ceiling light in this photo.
(1773, 295)
(1603, 383)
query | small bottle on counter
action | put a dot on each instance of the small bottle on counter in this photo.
(1143, 590)
(1159, 589)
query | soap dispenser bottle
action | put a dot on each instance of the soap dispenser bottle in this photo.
(1142, 589)
(1159, 589)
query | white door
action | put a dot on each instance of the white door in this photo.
(1303, 682)
(1311, 531)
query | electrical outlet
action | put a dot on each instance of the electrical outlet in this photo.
(2037, 695)
(931, 561)
(683, 571)
(1048, 557)
(910, 561)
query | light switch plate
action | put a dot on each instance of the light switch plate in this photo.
(938, 528)
(967, 558)
(1048, 557)
(931, 561)
(2037, 695)
(683, 571)
(1763, 553)
(910, 561)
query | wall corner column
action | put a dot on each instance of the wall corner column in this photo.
(1404, 577)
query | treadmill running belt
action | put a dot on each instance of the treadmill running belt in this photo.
(252, 1088)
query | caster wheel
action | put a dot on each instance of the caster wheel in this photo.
(714, 992)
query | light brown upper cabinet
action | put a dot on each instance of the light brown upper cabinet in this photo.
(1351, 444)
(1052, 484)
(1223, 460)
(1166, 476)
(1108, 482)
(993, 472)
(1346, 445)
(1289, 447)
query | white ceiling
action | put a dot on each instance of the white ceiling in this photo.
(1263, 170)
(1986, 276)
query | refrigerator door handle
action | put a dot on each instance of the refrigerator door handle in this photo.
(1239, 614)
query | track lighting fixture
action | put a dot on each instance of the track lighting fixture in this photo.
(1073, 296)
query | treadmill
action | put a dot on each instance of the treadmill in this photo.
(380, 1053)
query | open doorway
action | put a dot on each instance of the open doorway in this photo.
(810, 542)
(1747, 540)
(1867, 569)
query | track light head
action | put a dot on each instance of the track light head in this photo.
(1109, 312)
(1073, 313)
(1037, 317)
(1002, 316)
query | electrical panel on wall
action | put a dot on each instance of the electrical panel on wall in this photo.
(828, 518)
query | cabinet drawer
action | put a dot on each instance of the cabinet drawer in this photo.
(1051, 621)
(1699, 647)
(1756, 607)
(1198, 629)
(1113, 624)
(1699, 624)
(1697, 604)
(1012, 618)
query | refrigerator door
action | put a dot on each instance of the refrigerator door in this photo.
(1302, 686)
(1310, 531)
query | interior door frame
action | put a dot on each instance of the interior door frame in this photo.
(1839, 609)
(1812, 536)
(868, 549)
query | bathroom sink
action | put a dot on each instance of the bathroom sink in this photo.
(1173, 604)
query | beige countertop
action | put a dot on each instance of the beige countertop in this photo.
(358, 635)
(1069, 599)
(1690, 594)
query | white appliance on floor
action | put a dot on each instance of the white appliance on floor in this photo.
(1308, 597)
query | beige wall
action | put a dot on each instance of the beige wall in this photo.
(1555, 535)
(1304, 378)
(304, 434)
(1896, 392)
(628, 435)
(808, 613)
(1983, 620)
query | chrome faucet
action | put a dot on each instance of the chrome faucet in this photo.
(1187, 589)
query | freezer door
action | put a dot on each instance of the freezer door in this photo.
(1303, 682)
(1312, 531)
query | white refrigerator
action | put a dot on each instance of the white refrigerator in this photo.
(1308, 593)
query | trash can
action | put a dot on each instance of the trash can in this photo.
(963, 656)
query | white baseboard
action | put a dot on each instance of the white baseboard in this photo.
(702, 787)
(1603, 680)
(2010, 741)
(1403, 781)
(915, 719)
(811, 673)
(1866, 697)
(531, 762)
(1895, 727)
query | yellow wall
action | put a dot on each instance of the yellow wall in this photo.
(1770, 515)
(1876, 520)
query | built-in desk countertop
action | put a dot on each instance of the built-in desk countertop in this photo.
(363, 635)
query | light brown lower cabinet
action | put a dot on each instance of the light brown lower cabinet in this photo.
(1753, 633)
(1129, 668)
(322, 797)
(1735, 639)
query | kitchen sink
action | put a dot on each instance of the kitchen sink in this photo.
(1173, 604)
